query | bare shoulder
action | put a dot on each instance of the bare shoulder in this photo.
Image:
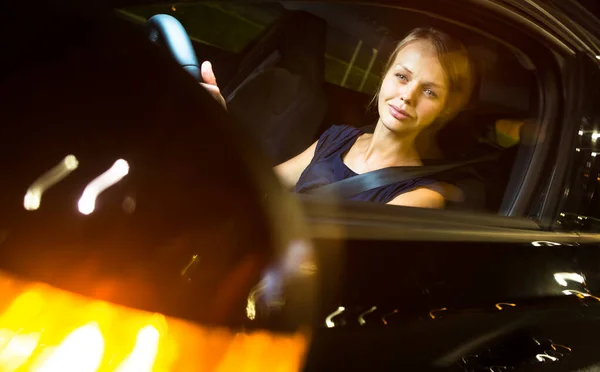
(420, 197)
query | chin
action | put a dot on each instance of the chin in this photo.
(396, 126)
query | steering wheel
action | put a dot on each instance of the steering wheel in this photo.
(168, 32)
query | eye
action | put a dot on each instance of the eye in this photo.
(401, 77)
(430, 93)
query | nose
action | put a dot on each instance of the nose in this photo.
(408, 93)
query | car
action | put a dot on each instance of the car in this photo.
(142, 227)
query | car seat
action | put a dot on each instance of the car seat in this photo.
(505, 91)
(277, 93)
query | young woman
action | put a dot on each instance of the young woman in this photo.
(427, 80)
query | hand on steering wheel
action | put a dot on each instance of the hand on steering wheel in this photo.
(210, 83)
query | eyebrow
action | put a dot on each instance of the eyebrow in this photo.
(404, 67)
(432, 84)
(427, 83)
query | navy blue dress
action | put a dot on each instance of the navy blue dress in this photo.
(327, 167)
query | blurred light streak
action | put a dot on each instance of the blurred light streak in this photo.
(46, 329)
(361, 319)
(579, 294)
(500, 304)
(542, 243)
(435, 311)
(561, 278)
(144, 352)
(87, 202)
(33, 197)
(388, 314)
(81, 351)
(559, 345)
(252, 297)
(328, 321)
(542, 357)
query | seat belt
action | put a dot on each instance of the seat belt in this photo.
(387, 176)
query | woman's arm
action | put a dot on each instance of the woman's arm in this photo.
(290, 171)
(421, 198)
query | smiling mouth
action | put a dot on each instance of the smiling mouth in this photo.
(398, 113)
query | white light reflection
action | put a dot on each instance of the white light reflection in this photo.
(578, 149)
(595, 136)
(580, 133)
(252, 297)
(561, 278)
(594, 154)
(361, 319)
(579, 294)
(598, 57)
(543, 357)
(87, 202)
(144, 352)
(542, 243)
(33, 197)
(81, 351)
(328, 321)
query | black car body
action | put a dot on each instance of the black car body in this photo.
(509, 284)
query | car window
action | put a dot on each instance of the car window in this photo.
(502, 111)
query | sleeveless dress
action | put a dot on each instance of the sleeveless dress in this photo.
(327, 167)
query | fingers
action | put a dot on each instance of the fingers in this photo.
(208, 76)
(210, 83)
(213, 89)
(216, 93)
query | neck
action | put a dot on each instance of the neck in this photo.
(391, 149)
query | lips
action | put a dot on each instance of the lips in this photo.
(398, 113)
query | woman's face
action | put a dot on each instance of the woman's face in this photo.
(414, 90)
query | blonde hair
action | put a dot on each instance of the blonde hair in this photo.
(455, 61)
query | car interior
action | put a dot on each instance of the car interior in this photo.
(282, 85)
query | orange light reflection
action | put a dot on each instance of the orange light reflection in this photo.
(45, 329)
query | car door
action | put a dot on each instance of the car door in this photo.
(403, 286)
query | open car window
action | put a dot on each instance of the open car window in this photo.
(504, 116)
